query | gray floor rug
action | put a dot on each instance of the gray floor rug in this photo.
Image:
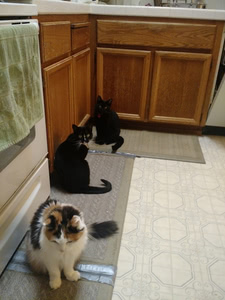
(16, 283)
(160, 145)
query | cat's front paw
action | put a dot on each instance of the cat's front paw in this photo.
(74, 276)
(99, 141)
(55, 284)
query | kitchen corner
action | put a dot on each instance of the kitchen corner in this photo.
(156, 40)
(160, 66)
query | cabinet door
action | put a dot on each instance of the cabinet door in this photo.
(55, 39)
(123, 75)
(178, 87)
(58, 87)
(81, 83)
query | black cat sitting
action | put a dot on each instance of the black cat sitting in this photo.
(71, 166)
(107, 125)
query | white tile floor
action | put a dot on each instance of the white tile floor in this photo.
(173, 243)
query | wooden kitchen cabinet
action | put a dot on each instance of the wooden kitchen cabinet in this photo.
(82, 84)
(55, 39)
(58, 87)
(80, 35)
(178, 87)
(158, 71)
(123, 75)
(65, 54)
(173, 91)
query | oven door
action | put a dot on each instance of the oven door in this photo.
(14, 174)
(24, 185)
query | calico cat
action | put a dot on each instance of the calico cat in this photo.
(70, 164)
(57, 237)
(107, 125)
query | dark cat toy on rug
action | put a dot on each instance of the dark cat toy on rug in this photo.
(107, 125)
(57, 237)
(70, 164)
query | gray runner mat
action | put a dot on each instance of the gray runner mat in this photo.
(159, 145)
(21, 285)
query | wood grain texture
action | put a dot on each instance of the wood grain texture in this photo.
(82, 84)
(80, 36)
(93, 47)
(66, 77)
(161, 127)
(131, 91)
(123, 75)
(55, 39)
(63, 17)
(178, 87)
(58, 88)
(156, 34)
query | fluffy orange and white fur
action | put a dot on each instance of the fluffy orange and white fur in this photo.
(57, 237)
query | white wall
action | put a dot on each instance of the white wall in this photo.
(130, 2)
(216, 115)
(215, 4)
(211, 4)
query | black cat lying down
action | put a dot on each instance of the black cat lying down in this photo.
(107, 125)
(71, 166)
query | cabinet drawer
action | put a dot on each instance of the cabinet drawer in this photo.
(156, 34)
(55, 39)
(80, 35)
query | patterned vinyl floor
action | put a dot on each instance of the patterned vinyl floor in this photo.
(173, 243)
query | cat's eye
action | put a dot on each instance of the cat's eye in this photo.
(80, 136)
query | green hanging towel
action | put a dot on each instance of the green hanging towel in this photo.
(20, 91)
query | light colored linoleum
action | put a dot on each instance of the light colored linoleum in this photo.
(173, 243)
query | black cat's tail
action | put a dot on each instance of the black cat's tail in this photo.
(98, 190)
(118, 144)
(103, 230)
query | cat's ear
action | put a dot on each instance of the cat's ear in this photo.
(74, 128)
(109, 102)
(75, 220)
(50, 221)
(81, 215)
(47, 222)
(99, 99)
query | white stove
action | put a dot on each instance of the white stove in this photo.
(24, 180)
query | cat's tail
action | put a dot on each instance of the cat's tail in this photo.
(118, 144)
(102, 230)
(98, 190)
